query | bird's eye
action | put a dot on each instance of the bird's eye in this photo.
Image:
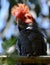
(29, 17)
(24, 17)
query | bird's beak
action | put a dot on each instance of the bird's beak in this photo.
(28, 18)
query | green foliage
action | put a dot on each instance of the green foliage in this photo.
(10, 61)
(8, 43)
(48, 40)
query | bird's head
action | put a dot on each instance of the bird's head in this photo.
(21, 12)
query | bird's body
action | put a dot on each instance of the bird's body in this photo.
(30, 41)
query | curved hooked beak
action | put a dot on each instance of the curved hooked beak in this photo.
(29, 18)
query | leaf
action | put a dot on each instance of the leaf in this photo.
(8, 43)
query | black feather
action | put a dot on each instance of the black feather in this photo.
(31, 41)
